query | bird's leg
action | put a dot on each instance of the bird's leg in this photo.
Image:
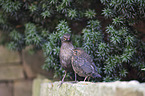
(88, 78)
(62, 79)
(75, 77)
(71, 78)
(85, 78)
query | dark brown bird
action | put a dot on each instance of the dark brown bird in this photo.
(66, 53)
(83, 64)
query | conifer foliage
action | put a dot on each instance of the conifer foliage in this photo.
(41, 23)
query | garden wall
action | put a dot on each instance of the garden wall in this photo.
(18, 71)
(46, 87)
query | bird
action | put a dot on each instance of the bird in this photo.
(83, 64)
(65, 54)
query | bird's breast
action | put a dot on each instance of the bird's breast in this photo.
(66, 50)
(66, 54)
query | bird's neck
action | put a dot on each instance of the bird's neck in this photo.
(67, 45)
(64, 43)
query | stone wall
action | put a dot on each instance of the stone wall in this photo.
(18, 71)
(48, 88)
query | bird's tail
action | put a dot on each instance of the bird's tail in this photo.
(94, 75)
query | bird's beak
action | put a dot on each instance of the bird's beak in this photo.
(65, 39)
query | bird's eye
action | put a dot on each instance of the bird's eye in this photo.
(76, 52)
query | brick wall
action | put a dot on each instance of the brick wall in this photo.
(18, 71)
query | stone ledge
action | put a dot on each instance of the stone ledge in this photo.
(118, 88)
(37, 85)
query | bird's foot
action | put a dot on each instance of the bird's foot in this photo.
(74, 81)
(60, 84)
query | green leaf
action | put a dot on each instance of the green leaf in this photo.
(15, 35)
(129, 40)
(117, 21)
(45, 33)
(123, 73)
(45, 14)
(53, 1)
(31, 36)
(66, 2)
(10, 6)
(110, 29)
(11, 45)
(107, 79)
(102, 46)
(33, 8)
(107, 13)
(72, 13)
(115, 39)
(90, 13)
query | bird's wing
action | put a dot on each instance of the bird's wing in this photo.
(90, 60)
(86, 66)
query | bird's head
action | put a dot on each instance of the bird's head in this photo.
(66, 38)
(77, 51)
